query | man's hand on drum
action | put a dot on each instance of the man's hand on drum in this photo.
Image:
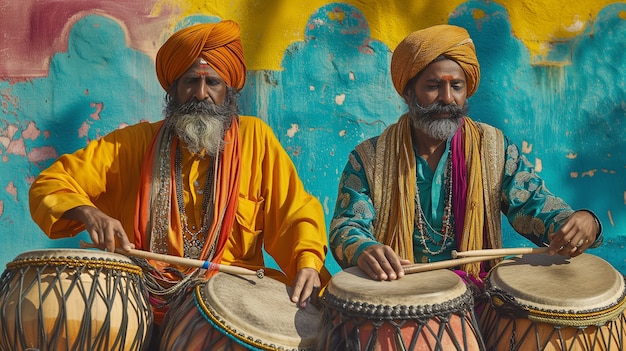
(102, 229)
(307, 281)
(380, 262)
(575, 235)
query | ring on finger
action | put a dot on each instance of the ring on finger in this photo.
(580, 242)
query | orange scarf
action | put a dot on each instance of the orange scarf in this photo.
(148, 220)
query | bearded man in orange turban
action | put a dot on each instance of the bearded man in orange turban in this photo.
(436, 181)
(204, 183)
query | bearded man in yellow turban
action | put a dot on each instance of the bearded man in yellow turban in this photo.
(204, 183)
(436, 181)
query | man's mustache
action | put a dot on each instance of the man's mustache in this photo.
(441, 108)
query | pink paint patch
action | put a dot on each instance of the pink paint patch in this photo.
(1, 207)
(46, 134)
(30, 179)
(98, 107)
(4, 141)
(83, 130)
(16, 147)
(12, 190)
(31, 132)
(10, 131)
(42, 153)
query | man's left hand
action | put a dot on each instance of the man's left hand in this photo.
(575, 235)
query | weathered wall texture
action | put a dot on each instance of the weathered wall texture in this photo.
(552, 78)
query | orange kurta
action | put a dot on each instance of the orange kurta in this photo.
(274, 208)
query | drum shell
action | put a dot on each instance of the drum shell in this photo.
(73, 299)
(230, 312)
(542, 302)
(363, 314)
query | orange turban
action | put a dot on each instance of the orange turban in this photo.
(420, 48)
(217, 43)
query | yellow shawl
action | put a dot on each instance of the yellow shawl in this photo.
(391, 174)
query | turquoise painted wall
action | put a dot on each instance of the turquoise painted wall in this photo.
(566, 109)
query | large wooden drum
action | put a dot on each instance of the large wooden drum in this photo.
(73, 300)
(421, 311)
(231, 312)
(542, 302)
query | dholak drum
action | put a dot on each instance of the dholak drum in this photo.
(73, 300)
(541, 302)
(422, 311)
(230, 312)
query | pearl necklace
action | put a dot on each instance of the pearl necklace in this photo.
(424, 227)
(193, 243)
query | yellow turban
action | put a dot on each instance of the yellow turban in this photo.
(420, 48)
(217, 43)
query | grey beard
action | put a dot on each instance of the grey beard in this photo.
(201, 124)
(437, 128)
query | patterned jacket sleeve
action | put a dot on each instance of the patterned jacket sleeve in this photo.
(351, 228)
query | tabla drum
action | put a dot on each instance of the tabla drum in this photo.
(231, 312)
(73, 300)
(542, 302)
(421, 311)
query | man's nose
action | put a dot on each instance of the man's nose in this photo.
(202, 92)
(445, 95)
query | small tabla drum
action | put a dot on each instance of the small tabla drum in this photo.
(73, 299)
(542, 302)
(231, 312)
(421, 311)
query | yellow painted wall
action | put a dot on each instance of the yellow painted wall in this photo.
(271, 25)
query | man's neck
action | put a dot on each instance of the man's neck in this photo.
(428, 148)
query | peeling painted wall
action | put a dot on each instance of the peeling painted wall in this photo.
(552, 78)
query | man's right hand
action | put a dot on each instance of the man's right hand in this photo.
(380, 262)
(102, 229)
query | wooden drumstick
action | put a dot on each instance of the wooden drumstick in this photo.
(425, 267)
(181, 261)
(500, 252)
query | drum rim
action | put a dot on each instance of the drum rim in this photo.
(393, 312)
(366, 304)
(92, 259)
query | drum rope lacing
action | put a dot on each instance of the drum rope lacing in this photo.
(58, 280)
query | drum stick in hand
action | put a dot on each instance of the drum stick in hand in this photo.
(500, 252)
(181, 261)
(432, 266)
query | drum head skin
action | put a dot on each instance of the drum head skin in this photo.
(426, 288)
(577, 284)
(258, 312)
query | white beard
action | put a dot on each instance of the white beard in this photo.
(441, 129)
(202, 134)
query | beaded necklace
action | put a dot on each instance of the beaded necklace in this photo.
(194, 240)
(425, 228)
